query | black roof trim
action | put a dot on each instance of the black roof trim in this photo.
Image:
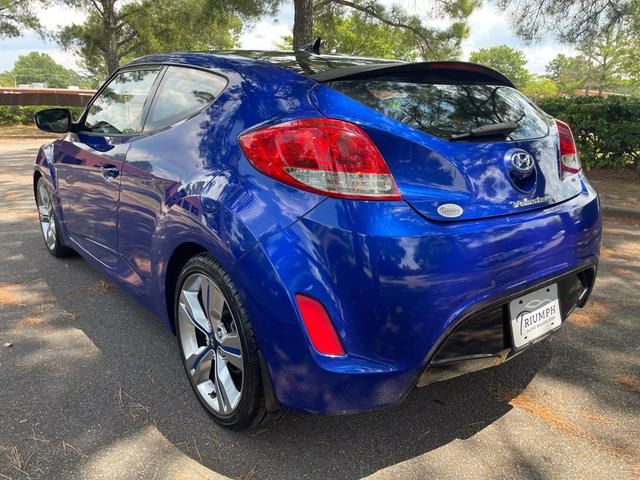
(433, 72)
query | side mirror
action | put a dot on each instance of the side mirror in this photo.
(55, 120)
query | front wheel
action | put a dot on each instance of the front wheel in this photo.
(217, 345)
(48, 221)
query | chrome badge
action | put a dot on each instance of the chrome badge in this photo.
(527, 202)
(521, 161)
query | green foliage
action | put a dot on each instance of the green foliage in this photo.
(569, 73)
(368, 28)
(23, 115)
(115, 32)
(357, 34)
(628, 56)
(16, 15)
(199, 27)
(506, 60)
(572, 21)
(607, 131)
(36, 67)
(539, 87)
(6, 80)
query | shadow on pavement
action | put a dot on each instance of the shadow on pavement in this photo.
(93, 385)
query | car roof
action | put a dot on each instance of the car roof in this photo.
(331, 67)
(306, 63)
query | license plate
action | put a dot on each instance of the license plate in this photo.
(534, 315)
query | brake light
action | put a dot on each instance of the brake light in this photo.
(569, 160)
(321, 155)
(321, 332)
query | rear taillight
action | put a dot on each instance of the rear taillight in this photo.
(321, 155)
(569, 161)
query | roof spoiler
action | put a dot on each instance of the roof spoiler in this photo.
(421, 72)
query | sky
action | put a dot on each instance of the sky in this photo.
(488, 27)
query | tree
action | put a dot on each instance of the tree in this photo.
(602, 52)
(506, 60)
(36, 67)
(572, 20)
(106, 36)
(628, 56)
(569, 73)
(366, 27)
(115, 30)
(539, 87)
(315, 17)
(601, 65)
(356, 34)
(16, 15)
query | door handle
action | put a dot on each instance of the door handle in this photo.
(109, 172)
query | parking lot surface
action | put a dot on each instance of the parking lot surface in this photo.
(91, 386)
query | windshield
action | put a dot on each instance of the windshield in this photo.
(445, 110)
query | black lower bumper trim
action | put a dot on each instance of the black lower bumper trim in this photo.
(483, 338)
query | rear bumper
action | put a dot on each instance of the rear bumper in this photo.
(396, 287)
(483, 338)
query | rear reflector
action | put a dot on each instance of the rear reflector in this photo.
(321, 332)
(569, 161)
(321, 155)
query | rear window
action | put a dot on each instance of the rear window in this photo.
(448, 109)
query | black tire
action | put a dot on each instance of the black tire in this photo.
(55, 246)
(251, 410)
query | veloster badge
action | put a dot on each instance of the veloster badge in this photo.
(529, 201)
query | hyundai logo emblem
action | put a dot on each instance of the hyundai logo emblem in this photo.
(521, 161)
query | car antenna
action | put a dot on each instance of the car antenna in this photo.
(313, 47)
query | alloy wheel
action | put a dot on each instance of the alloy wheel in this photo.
(46, 213)
(211, 347)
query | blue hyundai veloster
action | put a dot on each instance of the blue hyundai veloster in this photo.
(323, 233)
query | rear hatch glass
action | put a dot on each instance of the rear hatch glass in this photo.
(449, 110)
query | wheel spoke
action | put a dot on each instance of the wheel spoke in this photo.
(214, 300)
(50, 235)
(228, 395)
(191, 305)
(44, 195)
(199, 364)
(193, 361)
(232, 350)
(44, 213)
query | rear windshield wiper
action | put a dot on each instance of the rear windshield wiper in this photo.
(492, 130)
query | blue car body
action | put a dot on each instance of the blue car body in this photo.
(396, 278)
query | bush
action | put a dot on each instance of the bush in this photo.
(607, 130)
(23, 114)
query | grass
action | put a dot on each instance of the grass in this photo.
(24, 131)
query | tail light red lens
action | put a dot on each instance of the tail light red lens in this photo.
(321, 155)
(321, 332)
(569, 160)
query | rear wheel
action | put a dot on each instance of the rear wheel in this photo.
(217, 345)
(49, 222)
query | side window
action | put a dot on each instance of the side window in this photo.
(118, 108)
(183, 92)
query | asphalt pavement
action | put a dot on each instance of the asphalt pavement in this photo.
(91, 386)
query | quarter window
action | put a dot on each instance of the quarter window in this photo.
(118, 108)
(183, 92)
